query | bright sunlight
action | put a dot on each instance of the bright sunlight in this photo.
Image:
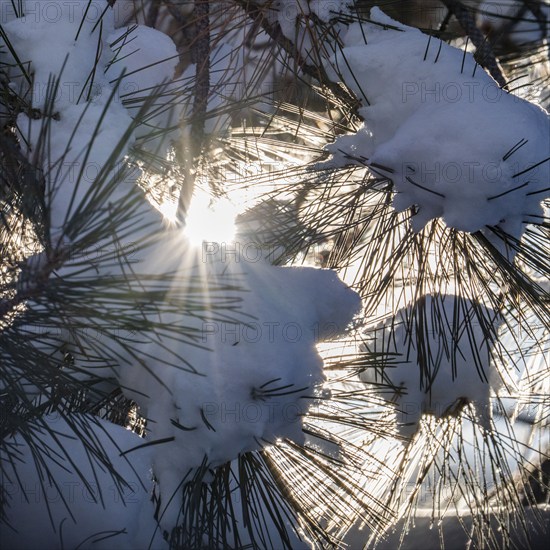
(210, 220)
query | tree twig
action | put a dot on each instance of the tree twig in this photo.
(200, 57)
(274, 31)
(484, 52)
(153, 13)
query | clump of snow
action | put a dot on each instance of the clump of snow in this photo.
(437, 358)
(144, 66)
(78, 147)
(72, 34)
(87, 85)
(258, 369)
(60, 494)
(455, 145)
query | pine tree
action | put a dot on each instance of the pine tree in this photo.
(363, 348)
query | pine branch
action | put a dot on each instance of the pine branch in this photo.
(338, 90)
(200, 57)
(535, 7)
(484, 52)
(34, 279)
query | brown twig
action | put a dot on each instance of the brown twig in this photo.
(200, 56)
(273, 30)
(153, 13)
(534, 6)
(484, 52)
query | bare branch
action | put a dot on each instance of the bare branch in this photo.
(484, 52)
(339, 91)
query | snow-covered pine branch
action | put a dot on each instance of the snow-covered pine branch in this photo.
(274, 411)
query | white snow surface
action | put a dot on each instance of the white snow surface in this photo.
(435, 362)
(144, 64)
(455, 145)
(59, 494)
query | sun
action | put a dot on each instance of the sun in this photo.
(210, 220)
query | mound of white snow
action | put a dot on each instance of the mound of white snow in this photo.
(455, 145)
(258, 370)
(437, 357)
(60, 493)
